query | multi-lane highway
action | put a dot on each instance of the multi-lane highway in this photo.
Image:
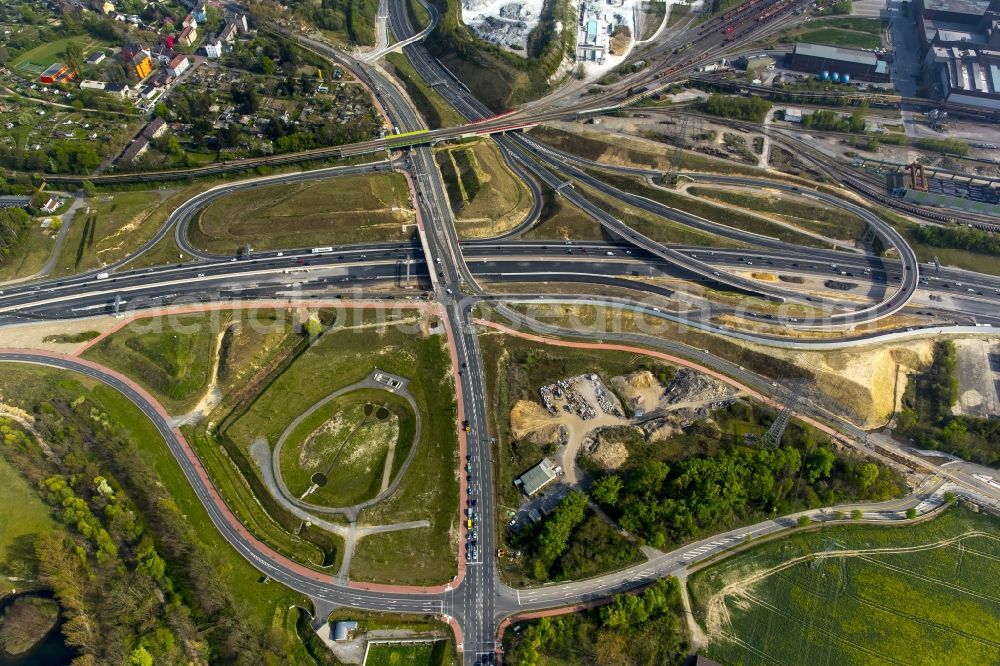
(459, 276)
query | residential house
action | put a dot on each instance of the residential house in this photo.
(213, 48)
(135, 150)
(96, 58)
(141, 65)
(155, 128)
(178, 65)
(131, 50)
(228, 33)
(120, 89)
(189, 35)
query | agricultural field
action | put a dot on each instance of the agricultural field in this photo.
(919, 594)
(339, 455)
(486, 197)
(354, 209)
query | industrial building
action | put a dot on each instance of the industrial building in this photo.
(57, 73)
(855, 63)
(961, 61)
(537, 477)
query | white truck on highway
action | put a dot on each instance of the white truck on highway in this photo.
(103, 276)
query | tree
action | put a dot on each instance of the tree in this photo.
(605, 491)
(949, 498)
(911, 513)
(161, 110)
(73, 55)
(857, 514)
(556, 531)
(803, 521)
(140, 657)
(819, 464)
(867, 474)
(267, 66)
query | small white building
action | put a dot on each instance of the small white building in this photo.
(93, 85)
(178, 65)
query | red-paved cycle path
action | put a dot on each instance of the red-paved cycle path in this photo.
(196, 462)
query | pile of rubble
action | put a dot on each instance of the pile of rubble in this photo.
(571, 395)
(692, 386)
(499, 31)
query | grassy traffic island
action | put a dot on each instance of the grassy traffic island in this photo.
(349, 450)
(247, 376)
(485, 196)
(352, 209)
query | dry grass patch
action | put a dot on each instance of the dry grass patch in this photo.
(355, 209)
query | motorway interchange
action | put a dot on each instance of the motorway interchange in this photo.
(460, 275)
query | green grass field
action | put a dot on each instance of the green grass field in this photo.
(354, 209)
(417, 654)
(562, 221)
(173, 360)
(347, 448)
(921, 594)
(725, 215)
(653, 226)
(31, 517)
(429, 490)
(837, 37)
(35, 61)
(32, 252)
(434, 109)
(850, 31)
(609, 148)
(115, 224)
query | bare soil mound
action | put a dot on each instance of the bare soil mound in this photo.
(531, 422)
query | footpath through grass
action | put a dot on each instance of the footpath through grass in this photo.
(919, 594)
